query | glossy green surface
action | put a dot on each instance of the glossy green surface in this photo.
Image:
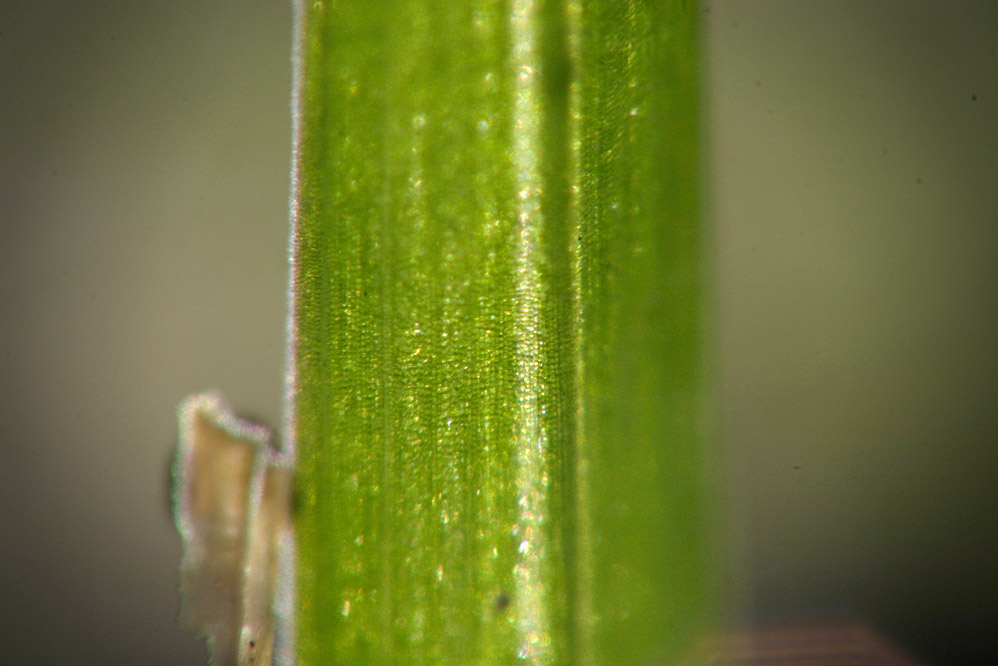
(498, 349)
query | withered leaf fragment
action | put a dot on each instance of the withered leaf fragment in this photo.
(232, 493)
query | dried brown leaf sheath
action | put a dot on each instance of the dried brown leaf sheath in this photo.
(232, 498)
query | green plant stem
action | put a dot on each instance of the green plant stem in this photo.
(498, 376)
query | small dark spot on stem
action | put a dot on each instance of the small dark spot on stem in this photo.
(918, 180)
(296, 501)
(502, 602)
(796, 466)
(973, 97)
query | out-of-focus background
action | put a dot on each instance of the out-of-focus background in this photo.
(852, 207)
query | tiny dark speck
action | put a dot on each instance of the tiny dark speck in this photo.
(758, 83)
(252, 644)
(502, 602)
(918, 181)
(973, 98)
(796, 466)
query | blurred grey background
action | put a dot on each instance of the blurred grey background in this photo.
(852, 204)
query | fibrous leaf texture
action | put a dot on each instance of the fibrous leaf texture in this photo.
(497, 372)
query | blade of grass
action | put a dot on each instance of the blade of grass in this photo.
(497, 352)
